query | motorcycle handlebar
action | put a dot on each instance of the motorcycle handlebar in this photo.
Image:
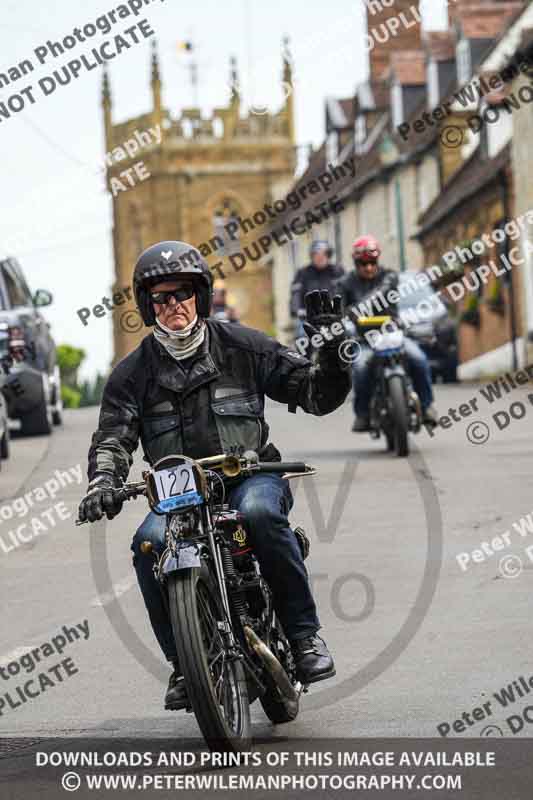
(283, 466)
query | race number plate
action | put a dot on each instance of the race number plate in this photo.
(176, 487)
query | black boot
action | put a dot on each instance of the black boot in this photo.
(429, 417)
(176, 695)
(313, 659)
(361, 424)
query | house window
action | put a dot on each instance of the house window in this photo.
(360, 133)
(464, 64)
(397, 105)
(332, 147)
(433, 84)
(499, 132)
(226, 244)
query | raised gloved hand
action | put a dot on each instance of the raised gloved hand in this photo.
(324, 318)
(99, 500)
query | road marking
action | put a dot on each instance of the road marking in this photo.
(118, 589)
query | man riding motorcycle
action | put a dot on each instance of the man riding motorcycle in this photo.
(220, 308)
(320, 274)
(196, 386)
(369, 283)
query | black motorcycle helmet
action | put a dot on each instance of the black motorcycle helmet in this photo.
(167, 260)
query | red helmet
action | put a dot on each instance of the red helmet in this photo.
(366, 248)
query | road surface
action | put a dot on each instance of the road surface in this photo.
(420, 637)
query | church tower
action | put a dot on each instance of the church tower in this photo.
(192, 176)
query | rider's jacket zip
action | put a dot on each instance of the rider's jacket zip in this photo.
(212, 403)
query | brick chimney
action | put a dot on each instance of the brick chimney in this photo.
(392, 27)
(483, 19)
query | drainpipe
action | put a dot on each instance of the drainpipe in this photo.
(399, 222)
(512, 306)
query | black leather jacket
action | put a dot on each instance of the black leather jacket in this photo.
(214, 406)
(308, 279)
(372, 294)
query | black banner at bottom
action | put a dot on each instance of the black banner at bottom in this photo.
(316, 768)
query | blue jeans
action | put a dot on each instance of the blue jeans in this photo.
(266, 500)
(419, 370)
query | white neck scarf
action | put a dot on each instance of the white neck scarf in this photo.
(184, 343)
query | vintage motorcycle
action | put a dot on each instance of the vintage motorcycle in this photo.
(232, 648)
(395, 408)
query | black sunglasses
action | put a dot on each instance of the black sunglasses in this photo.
(179, 295)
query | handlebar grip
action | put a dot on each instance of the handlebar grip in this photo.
(282, 466)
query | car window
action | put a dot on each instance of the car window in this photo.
(415, 294)
(16, 290)
(22, 282)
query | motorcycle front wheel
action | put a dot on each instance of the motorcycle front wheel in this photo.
(215, 681)
(400, 415)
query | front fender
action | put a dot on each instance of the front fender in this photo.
(390, 372)
(188, 555)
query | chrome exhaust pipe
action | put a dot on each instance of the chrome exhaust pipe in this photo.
(279, 676)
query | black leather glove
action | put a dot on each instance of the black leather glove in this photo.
(99, 500)
(324, 317)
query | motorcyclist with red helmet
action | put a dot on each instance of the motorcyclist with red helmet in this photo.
(370, 284)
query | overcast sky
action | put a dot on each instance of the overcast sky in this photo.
(56, 217)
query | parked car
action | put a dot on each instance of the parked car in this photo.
(4, 421)
(32, 387)
(435, 332)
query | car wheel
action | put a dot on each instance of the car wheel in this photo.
(5, 444)
(39, 421)
(57, 403)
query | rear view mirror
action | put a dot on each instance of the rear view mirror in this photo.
(42, 297)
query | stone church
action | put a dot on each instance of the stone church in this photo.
(203, 174)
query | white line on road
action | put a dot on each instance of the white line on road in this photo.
(118, 589)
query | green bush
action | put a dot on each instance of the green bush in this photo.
(69, 359)
(71, 398)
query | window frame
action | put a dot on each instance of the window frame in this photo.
(10, 270)
(464, 61)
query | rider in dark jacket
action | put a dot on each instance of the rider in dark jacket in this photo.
(320, 274)
(197, 386)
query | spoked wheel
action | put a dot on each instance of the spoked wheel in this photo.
(400, 415)
(215, 680)
(278, 708)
